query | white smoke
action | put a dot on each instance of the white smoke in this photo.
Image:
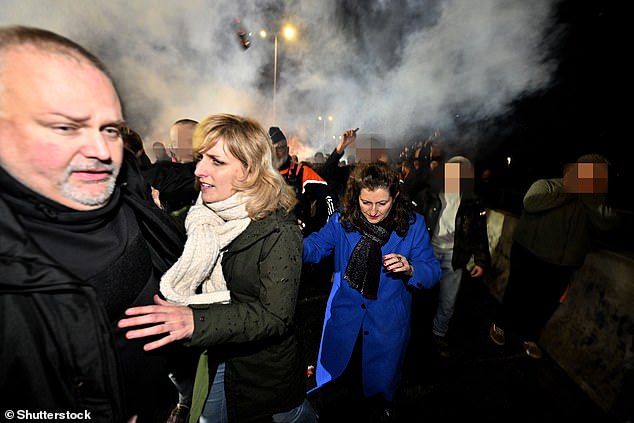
(400, 68)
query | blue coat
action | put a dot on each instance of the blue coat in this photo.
(385, 322)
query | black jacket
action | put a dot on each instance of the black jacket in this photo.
(57, 350)
(471, 227)
(317, 201)
(176, 183)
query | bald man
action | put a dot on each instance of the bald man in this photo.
(80, 238)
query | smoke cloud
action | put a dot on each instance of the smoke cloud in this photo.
(401, 68)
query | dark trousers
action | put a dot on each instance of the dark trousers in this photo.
(532, 294)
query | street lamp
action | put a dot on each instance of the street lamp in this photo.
(288, 32)
(324, 119)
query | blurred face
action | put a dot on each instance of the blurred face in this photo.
(159, 151)
(417, 158)
(375, 205)
(586, 178)
(435, 158)
(218, 171)
(455, 176)
(181, 137)
(60, 122)
(281, 152)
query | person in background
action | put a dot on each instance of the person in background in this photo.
(174, 181)
(160, 152)
(181, 133)
(427, 158)
(234, 290)
(381, 251)
(331, 171)
(319, 158)
(487, 186)
(80, 238)
(316, 202)
(134, 143)
(457, 224)
(174, 185)
(551, 241)
(408, 177)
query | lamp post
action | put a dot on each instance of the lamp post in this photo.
(288, 32)
(275, 80)
(324, 119)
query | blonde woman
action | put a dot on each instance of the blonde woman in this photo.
(234, 288)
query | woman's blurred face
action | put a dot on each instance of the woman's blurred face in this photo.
(375, 205)
(218, 171)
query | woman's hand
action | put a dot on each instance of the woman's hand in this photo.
(177, 321)
(398, 264)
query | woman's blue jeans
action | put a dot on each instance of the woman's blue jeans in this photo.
(215, 410)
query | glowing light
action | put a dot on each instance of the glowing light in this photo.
(289, 32)
(324, 119)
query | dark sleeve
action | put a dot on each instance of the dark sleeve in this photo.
(316, 200)
(164, 233)
(132, 177)
(317, 205)
(330, 168)
(481, 253)
(176, 183)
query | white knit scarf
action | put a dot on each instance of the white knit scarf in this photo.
(210, 228)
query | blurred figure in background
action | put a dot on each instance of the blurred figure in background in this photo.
(160, 152)
(174, 180)
(551, 241)
(181, 133)
(134, 143)
(335, 174)
(457, 224)
(316, 203)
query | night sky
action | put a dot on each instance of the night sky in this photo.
(582, 112)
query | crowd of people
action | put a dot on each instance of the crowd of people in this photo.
(119, 272)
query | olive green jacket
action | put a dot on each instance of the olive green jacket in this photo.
(254, 333)
(556, 225)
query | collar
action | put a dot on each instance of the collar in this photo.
(32, 205)
(259, 229)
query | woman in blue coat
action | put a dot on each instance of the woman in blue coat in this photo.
(382, 251)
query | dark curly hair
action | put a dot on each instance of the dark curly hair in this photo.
(373, 176)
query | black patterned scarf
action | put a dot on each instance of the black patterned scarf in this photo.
(364, 268)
